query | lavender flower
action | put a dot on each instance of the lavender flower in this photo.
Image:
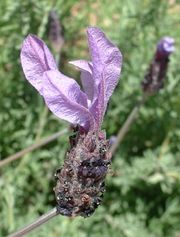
(80, 182)
(154, 79)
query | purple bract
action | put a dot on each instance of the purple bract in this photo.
(156, 73)
(165, 47)
(62, 94)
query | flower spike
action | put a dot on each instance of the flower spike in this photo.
(80, 183)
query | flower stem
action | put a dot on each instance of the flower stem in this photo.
(41, 220)
(125, 128)
(41, 143)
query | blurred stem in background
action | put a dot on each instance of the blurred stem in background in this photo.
(125, 127)
(56, 42)
(37, 145)
(41, 220)
(153, 81)
(41, 123)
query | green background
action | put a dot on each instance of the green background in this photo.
(143, 186)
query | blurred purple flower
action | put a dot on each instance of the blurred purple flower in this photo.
(62, 94)
(154, 79)
(165, 47)
(55, 35)
(112, 140)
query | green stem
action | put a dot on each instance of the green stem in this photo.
(125, 128)
(41, 220)
(23, 152)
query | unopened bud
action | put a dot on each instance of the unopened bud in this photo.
(154, 79)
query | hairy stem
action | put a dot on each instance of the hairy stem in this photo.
(41, 220)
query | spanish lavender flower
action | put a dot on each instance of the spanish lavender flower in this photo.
(154, 79)
(80, 182)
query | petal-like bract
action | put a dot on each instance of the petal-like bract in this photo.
(86, 76)
(62, 94)
(107, 61)
(36, 59)
(165, 47)
(65, 99)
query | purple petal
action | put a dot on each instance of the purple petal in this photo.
(65, 99)
(36, 59)
(86, 76)
(166, 46)
(107, 61)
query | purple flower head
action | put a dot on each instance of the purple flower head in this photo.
(156, 73)
(165, 47)
(62, 94)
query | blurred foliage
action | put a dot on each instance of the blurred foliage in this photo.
(143, 187)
